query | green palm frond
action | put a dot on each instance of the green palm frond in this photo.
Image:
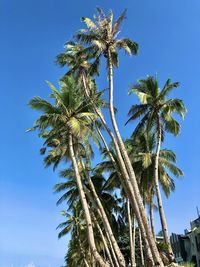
(168, 155)
(42, 105)
(89, 23)
(171, 167)
(118, 23)
(130, 47)
(168, 87)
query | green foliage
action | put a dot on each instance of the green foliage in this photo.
(70, 112)
(162, 247)
(155, 109)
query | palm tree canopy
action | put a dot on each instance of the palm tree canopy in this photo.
(79, 63)
(69, 113)
(101, 35)
(142, 154)
(155, 105)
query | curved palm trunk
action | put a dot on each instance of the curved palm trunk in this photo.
(126, 182)
(84, 203)
(151, 207)
(158, 194)
(147, 248)
(104, 241)
(107, 235)
(112, 251)
(107, 149)
(131, 235)
(151, 241)
(104, 218)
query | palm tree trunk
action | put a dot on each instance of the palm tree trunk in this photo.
(104, 218)
(84, 203)
(112, 251)
(141, 248)
(107, 149)
(104, 241)
(130, 224)
(86, 263)
(93, 261)
(158, 194)
(82, 251)
(154, 250)
(128, 186)
(134, 235)
(147, 248)
(151, 207)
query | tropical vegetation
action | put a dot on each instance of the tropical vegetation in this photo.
(106, 203)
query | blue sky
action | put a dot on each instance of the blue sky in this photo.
(32, 34)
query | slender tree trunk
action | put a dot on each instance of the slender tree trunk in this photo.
(130, 225)
(158, 194)
(104, 218)
(126, 182)
(151, 209)
(84, 203)
(107, 235)
(82, 250)
(86, 263)
(141, 248)
(112, 251)
(107, 149)
(147, 249)
(93, 261)
(154, 250)
(134, 235)
(104, 241)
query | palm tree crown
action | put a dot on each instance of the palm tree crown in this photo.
(154, 106)
(102, 35)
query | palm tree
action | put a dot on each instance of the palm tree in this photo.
(77, 63)
(101, 38)
(156, 113)
(68, 123)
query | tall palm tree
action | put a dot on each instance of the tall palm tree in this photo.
(101, 37)
(156, 113)
(81, 69)
(67, 122)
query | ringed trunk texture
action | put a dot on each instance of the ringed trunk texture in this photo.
(104, 219)
(131, 235)
(151, 241)
(158, 194)
(84, 203)
(127, 182)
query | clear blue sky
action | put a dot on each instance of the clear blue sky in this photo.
(32, 34)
